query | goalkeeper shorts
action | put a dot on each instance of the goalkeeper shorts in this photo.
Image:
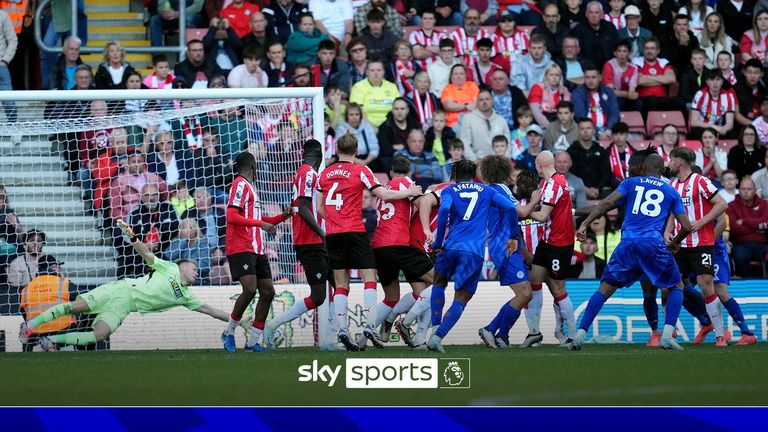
(111, 303)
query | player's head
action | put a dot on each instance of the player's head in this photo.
(545, 161)
(681, 157)
(313, 152)
(653, 165)
(495, 169)
(526, 183)
(401, 167)
(347, 144)
(244, 162)
(464, 170)
(188, 271)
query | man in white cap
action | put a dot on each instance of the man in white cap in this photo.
(635, 34)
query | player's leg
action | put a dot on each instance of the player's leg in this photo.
(537, 276)
(712, 302)
(419, 272)
(595, 304)
(100, 333)
(388, 270)
(266, 289)
(419, 309)
(511, 272)
(693, 302)
(513, 308)
(734, 310)
(651, 310)
(242, 267)
(443, 273)
(55, 312)
(662, 270)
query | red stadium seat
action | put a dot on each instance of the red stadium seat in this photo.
(195, 33)
(382, 177)
(657, 119)
(691, 144)
(634, 120)
(726, 145)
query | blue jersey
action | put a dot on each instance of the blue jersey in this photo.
(502, 226)
(464, 209)
(648, 202)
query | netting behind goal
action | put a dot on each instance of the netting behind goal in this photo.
(162, 161)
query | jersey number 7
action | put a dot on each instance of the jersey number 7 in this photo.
(472, 202)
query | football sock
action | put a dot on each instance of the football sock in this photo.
(437, 301)
(450, 319)
(80, 339)
(713, 309)
(596, 303)
(232, 324)
(423, 324)
(495, 323)
(257, 328)
(693, 302)
(422, 304)
(382, 310)
(291, 314)
(340, 303)
(508, 320)
(672, 309)
(567, 312)
(369, 303)
(533, 310)
(58, 311)
(558, 316)
(733, 308)
(651, 309)
(404, 305)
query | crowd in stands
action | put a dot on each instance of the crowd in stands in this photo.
(502, 77)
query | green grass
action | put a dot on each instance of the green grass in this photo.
(597, 375)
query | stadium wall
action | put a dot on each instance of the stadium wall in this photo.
(621, 320)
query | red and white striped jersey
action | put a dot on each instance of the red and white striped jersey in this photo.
(239, 239)
(697, 191)
(559, 230)
(466, 46)
(394, 227)
(509, 48)
(619, 22)
(418, 239)
(533, 231)
(418, 37)
(342, 186)
(711, 109)
(305, 184)
(596, 112)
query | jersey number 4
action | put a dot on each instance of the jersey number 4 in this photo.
(472, 202)
(647, 202)
(334, 200)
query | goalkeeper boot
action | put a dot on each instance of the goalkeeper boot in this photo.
(24, 333)
(257, 347)
(404, 331)
(346, 341)
(578, 340)
(532, 340)
(487, 337)
(435, 344)
(229, 342)
(370, 332)
(670, 344)
(46, 344)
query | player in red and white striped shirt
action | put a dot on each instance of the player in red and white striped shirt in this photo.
(712, 107)
(426, 40)
(246, 251)
(703, 205)
(341, 192)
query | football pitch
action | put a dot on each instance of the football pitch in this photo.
(548, 375)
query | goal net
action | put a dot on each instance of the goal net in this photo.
(76, 161)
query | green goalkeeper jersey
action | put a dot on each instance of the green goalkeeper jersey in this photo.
(161, 289)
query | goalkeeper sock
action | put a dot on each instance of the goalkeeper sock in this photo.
(291, 314)
(257, 328)
(80, 339)
(596, 303)
(58, 311)
(437, 301)
(567, 313)
(340, 305)
(533, 309)
(405, 304)
(421, 305)
(232, 324)
(733, 308)
(450, 319)
(382, 310)
(369, 303)
(713, 309)
(651, 310)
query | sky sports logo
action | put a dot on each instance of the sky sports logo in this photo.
(392, 373)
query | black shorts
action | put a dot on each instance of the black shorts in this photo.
(696, 260)
(556, 259)
(248, 263)
(390, 260)
(350, 251)
(314, 259)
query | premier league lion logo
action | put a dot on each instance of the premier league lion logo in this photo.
(453, 375)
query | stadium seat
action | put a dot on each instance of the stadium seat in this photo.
(657, 119)
(726, 145)
(634, 120)
(691, 144)
(195, 33)
(383, 178)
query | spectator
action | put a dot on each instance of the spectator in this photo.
(692, 80)
(524, 118)
(615, 14)
(107, 165)
(597, 102)
(712, 107)
(761, 123)
(657, 16)
(62, 75)
(403, 69)
(456, 153)
(633, 33)
(590, 161)
(240, 15)
(92, 143)
(749, 91)
(563, 164)
(368, 143)
(275, 66)
(596, 33)
(506, 98)
(425, 169)
(670, 140)
(530, 68)
(527, 159)
(438, 138)
(746, 157)
(545, 96)
(440, 71)
(448, 12)
(677, 45)
(166, 18)
(509, 41)
(166, 162)
(696, 10)
(301, 75)
(222, 44)
(482, 69)
(220, 273)
(302, 45)
(394, 132)
(207, 167)
(210, 218)
(233, 132)
(737, 16)
(500, 147)
(24, 267)
(391, 17)
(332, 70)
(561, 133)
(196, 69)
(606, 237)
(358, 61)
(283, 17)
(725, 66)
(621, 76)
(162, 77)
(375, 94)
(260, 34)
(714, 159)
(181, 200)
(191, 245)
(334, 18)
(571, 66)
(249, 74)
(729, 181)
(370, 215)
(552, 31)
(748, 216)
(713, 39)
(125, 190)
(54, 26)
(335, 109)
(465, 38)
(114, 70)
(426, 40)
(155, 223)
(588, 266)
(572, 14)
(479, 126)
(459, 95)
(619, 153)
(760, 177)
(11, 230)
(655, 76)
(379, 40)
(424, 103)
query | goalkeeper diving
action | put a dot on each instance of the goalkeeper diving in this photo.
(166, 287)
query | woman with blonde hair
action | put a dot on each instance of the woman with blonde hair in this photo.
(753, 42)
(545, 96)
(713, 38)
(114, 71)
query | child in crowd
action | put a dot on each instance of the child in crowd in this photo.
(729, 180)
(162, 76)
(181, 199)
(616, 15)
(438, 136)
(519, 143)
(456, 151)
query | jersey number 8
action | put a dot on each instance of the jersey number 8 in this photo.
(647, 202)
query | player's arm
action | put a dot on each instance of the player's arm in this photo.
(721, 225)
(719, 207)
(214, 312)
(425, 204)
(600, 209)
(140, 247)
(442, 220)
(385, 194)
(278, 219)
(685, 229)
(524, 211)
(305, 213)
(320, 206)
(235, 218)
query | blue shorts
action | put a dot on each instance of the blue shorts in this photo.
(513, 270)
(722, 265)
(634, 258)
(465, 268)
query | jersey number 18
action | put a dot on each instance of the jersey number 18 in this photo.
(647, 202)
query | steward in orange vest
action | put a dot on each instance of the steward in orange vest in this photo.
(46, 290)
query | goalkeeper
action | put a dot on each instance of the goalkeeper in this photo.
(167, 286)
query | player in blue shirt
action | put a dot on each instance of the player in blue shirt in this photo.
(464, 209)
(503, 226)
(648, 202)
